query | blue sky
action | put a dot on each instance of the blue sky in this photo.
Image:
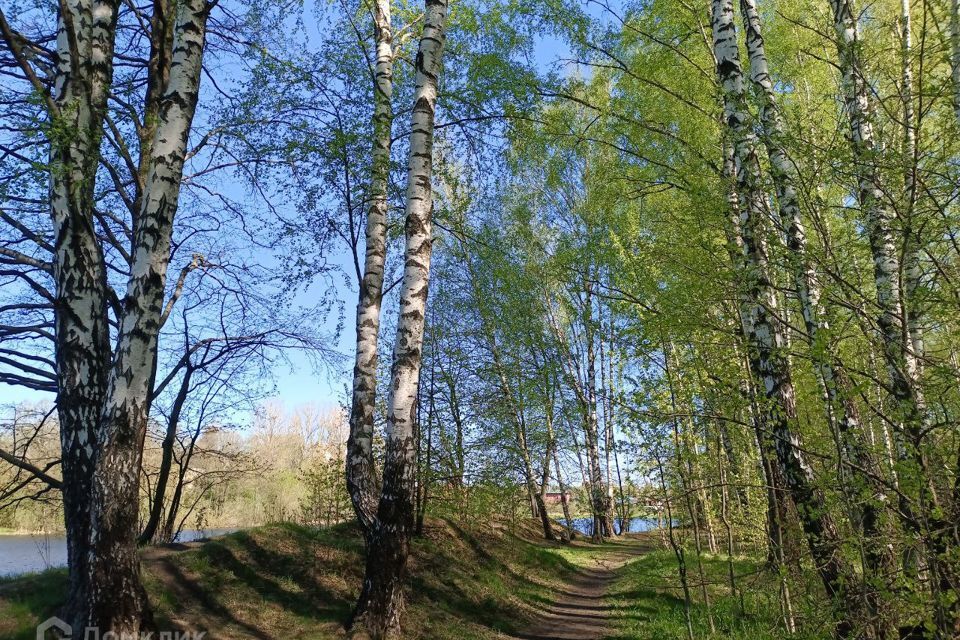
(297, 382)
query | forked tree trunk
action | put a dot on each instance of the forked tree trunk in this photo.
(361, 473)
(765, 341)
(116, 601)
(78, 105)
(381, 602)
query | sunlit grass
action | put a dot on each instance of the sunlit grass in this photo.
(288, 581)
(649, 602)
(28, 599)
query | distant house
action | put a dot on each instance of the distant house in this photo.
(556, 497)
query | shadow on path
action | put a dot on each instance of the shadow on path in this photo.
(579, 611)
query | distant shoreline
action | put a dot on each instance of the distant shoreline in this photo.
(31, 532)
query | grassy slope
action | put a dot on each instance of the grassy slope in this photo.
(27, 600)
(287, 581)
(647, 601)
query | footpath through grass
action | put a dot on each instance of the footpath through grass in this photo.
(289, 581)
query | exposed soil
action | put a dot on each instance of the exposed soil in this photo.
(579, 610)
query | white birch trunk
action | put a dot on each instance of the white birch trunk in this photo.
(116, 601)
(598, 491)
(901, 361)
(82, 78)
(765, 339)
(955, 54)
(381, 602)
(361, 472)
(878, 219)
(833, 377)
(913, 267)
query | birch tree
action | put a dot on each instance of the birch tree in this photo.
(857, 461)
(381, 601)
(955, 53)
(361, 472)
(116, 601)
(76, 106)
(764, 336)
(893, 324)
(104, 393)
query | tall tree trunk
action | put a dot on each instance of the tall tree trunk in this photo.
(606, 385)
(83, 75)
(426, 473)
(564, 502)
(765, 341)
(361, 472)
(381, 601)
(913, 240)
(540, 497)
(514, 400)
(856, 458)
(598, 497)
(520, 432)
(775, 482)
(545, 521)
(902, 364)
(733, 463)
(684, 473)
(677, 547)
(955, 54)
(459, 457)
(117, 602)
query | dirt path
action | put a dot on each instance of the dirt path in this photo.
(579, 610)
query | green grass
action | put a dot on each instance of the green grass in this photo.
(476, 584)
(649, 602)
(467, 583)
(288, 581)
(27, 599)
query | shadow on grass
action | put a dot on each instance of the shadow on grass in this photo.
(485, 588)
(198, 594)
(25, 600)
(268, 582)
(264, 571)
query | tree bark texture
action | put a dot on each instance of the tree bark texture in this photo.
(765, 340)
(361, 472)
(381, 600)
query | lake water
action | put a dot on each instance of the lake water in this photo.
(637, 525)
(24, 554)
